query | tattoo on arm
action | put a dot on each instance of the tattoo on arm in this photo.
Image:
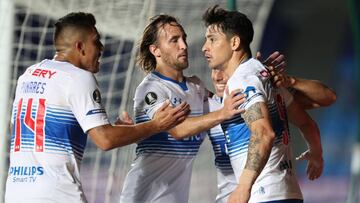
(252, 114)
(254, 161)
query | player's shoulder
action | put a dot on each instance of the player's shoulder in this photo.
(250, 71)
(150, 84)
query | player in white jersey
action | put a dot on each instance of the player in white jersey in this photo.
(57, 103)
(309, 94)
(226, 180)
(258, 140)
(161, 171)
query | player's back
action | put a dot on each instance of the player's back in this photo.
(47, 142)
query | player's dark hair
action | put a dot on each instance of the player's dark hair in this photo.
(78, 20)
(145, 58)
(231, 23)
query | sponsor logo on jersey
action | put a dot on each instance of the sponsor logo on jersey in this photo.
(97, 96)
(26, 170)
(25, 174)
(176, 101)
(150, 98)
(43, 73)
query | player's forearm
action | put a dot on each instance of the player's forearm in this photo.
(107, 137)
(311, 134)
(315, 91)
(195, 125)
(259, 150)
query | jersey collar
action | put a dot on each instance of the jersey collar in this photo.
(182, 84)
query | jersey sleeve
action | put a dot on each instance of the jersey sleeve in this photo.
(85, 101)
(251, 86)
(149, 97)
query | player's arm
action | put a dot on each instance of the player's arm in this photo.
(108, 136)
(195, 125)
(260, 144)
(310, 132)
(309, 93)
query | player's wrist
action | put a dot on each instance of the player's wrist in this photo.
(155, 126)
(293, 81)
(223, 114)
(247, 179)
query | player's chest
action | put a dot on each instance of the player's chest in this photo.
(194, 96)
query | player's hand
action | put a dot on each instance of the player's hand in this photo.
(239, 196)
(315, 164)
(124, 119)
(167, 117)
(276, 60)
(280, 79)
(232, 103)
(276, 64)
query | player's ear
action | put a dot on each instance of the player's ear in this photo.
(155, 50)
(235, 43)
(80, 47)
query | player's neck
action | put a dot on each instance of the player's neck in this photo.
(65, 57)
(237, 59)
(171, 73)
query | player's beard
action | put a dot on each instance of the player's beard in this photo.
(175, 63)
(181, 66)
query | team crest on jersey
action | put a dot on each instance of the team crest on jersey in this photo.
(97, 96)
(150, 98)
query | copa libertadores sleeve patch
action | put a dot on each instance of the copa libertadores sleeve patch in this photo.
(150, 98)
(97, 96)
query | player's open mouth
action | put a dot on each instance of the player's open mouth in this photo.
(220, 86)
(208, 58)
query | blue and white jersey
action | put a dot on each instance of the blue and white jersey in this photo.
(277, 180)
(161, 171)
(226, 180)
(55, 104)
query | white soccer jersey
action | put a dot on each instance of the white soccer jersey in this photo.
(55, 104)
(226, 180)
(161, 171)
(277, 181)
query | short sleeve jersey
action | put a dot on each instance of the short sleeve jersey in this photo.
(162, 169)
(277, 180)
(55, 105)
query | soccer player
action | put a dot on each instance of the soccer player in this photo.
(258, 140)
(315, 93)
(57, 103)
(161, 171)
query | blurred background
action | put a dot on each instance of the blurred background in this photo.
(318, 38)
